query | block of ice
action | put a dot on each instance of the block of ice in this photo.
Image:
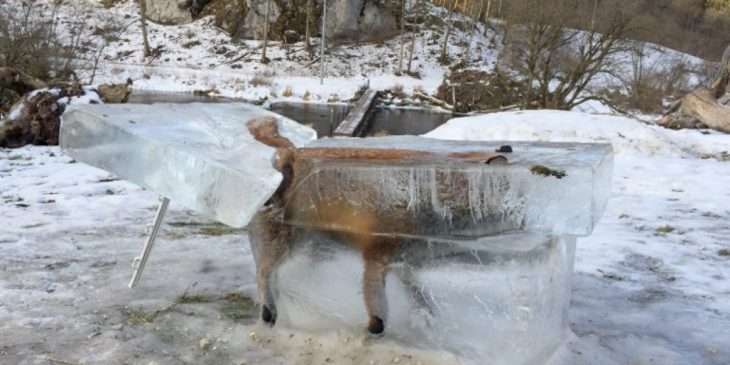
(198, 155)
(499, 300)
(446, 190)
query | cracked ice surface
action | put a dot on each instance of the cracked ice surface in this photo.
(199, 155)
(448, 196)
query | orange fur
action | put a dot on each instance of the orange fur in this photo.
(274, 237)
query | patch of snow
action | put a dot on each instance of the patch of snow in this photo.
(16, 111)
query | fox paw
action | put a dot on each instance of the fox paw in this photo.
(268, 316)
(376, 325)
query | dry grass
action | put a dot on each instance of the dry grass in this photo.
(333, 98)
(260, 79)
(287, 91)
(306, 95)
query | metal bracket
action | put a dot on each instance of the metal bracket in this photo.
(139, 262)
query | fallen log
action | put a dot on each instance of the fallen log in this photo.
(696, 109)
(704, 107)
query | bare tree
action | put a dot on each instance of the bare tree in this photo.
(143, 23)
(555, 61)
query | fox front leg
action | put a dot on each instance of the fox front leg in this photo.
(376, 256)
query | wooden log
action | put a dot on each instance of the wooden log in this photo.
(356, 122)
(699, 105)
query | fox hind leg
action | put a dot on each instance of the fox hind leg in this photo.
(377, 257)
(270, 241)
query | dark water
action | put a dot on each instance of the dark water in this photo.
(324, 118)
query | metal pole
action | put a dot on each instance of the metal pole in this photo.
(139, 262)
(321, 51)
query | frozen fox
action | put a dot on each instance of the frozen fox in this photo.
(275, 237)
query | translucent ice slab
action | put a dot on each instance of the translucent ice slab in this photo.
(499, 300)
(198, 155)
(447, 191)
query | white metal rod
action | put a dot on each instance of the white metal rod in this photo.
(140, 262)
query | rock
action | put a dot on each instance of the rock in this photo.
(361, 19)
(115, 93)
(169, 11)
(346, 19)
(255, 21)
(204, 343)
(118, 327)
(228, 15)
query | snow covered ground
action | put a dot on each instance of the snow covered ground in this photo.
(650, 285)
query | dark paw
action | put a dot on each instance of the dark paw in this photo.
(268, 316)
(376, 325)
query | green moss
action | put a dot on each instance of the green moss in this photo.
(238, 306)
(665, 229)
(186, 224)
(138, 316)
(186, 298)
(546, 171)
(220, 230)
(724, 252)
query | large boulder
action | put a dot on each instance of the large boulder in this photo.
(361, 19)
(169, 11)
(229, 15)
(346, 19)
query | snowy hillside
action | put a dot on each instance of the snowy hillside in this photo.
(199, 57)
(650, 284)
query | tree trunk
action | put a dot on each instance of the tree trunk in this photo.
(413, 40)
(699, 105)
(266, 33)
(307, 45)
(449, 24)
(486, 17)
(402, 36)
(720, 86)
(143, 23)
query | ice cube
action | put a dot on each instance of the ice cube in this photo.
(445, 188)
(198, 155)
(499, 300)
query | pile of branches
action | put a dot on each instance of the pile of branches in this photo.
(36, 117)
(469, 90)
